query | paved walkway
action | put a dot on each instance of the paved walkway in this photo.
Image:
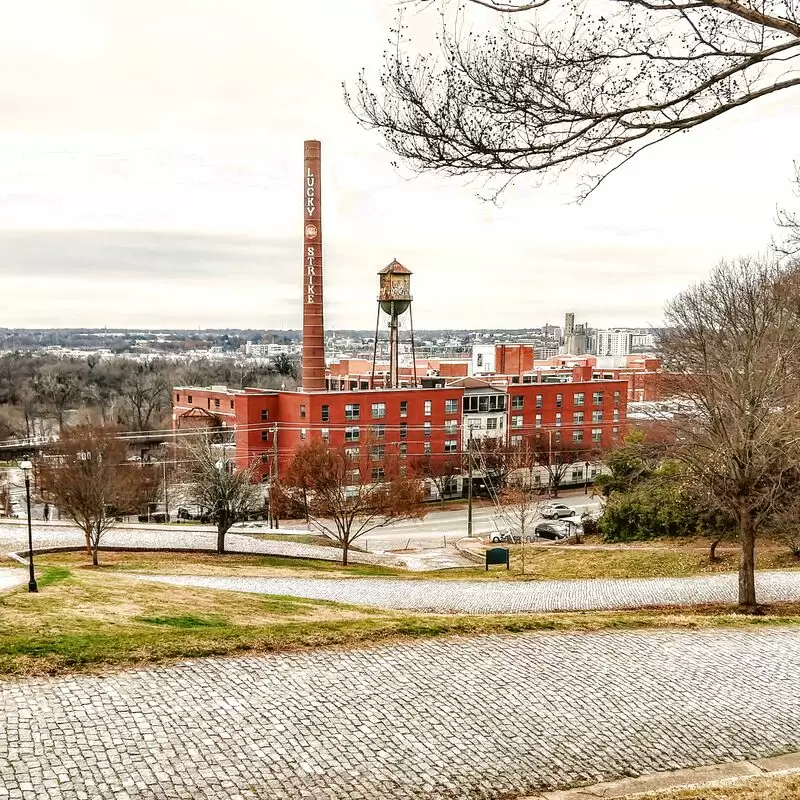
(10, 578)
(477, 597)
(14, 538)
(486, 717)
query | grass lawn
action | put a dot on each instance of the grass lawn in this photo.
(91, 619)
(777, 787)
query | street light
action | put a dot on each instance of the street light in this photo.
(586, 482)
(26, 467)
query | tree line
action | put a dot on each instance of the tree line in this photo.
(42, 390)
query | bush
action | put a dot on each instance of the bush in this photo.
(648, 512)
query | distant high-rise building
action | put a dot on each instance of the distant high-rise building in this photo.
(569, 325)
(616, 342)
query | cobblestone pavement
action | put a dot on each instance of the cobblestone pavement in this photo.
(13, 537)
(463, 718)
(476, 597)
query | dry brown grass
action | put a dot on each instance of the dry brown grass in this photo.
(773, 787)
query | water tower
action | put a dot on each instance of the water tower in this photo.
(394, 301)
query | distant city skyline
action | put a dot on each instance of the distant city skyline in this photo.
(159, 186)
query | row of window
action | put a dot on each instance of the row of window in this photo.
(578, 399)
(577, 418)
(377, 452)
(577, 436)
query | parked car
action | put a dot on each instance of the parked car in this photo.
(557, 510)
(510, 538)
(547, 530)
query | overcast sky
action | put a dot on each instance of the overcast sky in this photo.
(151, 166)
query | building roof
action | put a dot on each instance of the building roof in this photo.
(395, 268)
(472, 383)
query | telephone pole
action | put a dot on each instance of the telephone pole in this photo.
(273, 477)
(469, 483)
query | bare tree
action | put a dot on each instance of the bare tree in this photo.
(213, 483)
(520, 503)
(732, 347)
(561, 83)
(350, 495)
(90, 480)
(440, 470)
(147, 392)
(557, 457)
(790, 222)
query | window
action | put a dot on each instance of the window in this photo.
(476, 424)
(326, 413)
(403, 430)
(403, 472)
(377, 452)
(353, 453)
(516, 441)
(538, 421)
(577, 436)
(231, 403)
(352, 411)
(451, 406)
(427, 428)
(538, 401)
(615, 431)
(404, 408)
(379, 431)
(577, 399)
(616, 398)
(427, 449)
(355, 477)
(577, 418)
(517, 401)
(616, 415)
(597, 434)
(556, 437)
(558, 419)
(378, 410)
(326, 435)
(451, 426)
(450, 445)
(264, 415)
(177, 398)
(491, 424)
(188, 398)
(209, 402)
(403, 450)
(303, 433)
(428, 407)
(264, 436)
(516, 421)
(559, 400)
(577, 474)
(597, 416)
(597, 398)
(216, 402)
(377, 474)
(352, 434)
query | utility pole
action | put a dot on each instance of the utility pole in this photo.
(469, 483)
(273, 478)
(166, 491)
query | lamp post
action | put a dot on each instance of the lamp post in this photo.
(26, 466)
(586, 482)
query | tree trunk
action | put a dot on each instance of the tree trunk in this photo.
(95, 562)
(747, 566)
(220, 538)
(345, 548)
(712, 554)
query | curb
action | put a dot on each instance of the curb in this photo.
(470, 555)
(711, 775)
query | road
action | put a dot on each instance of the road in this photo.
(431, 531)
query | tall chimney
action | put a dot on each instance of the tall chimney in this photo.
(313, 323)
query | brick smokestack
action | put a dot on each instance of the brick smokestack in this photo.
(313, 322)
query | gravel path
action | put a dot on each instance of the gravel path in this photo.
(487, 717)
(9, 578)
(476, 597)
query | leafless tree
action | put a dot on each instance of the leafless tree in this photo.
(562, 83)
(91, 482)
(521, 504)
(789, 221)
(732, 347)
(350, 495)
(557, 457)
(440, 470)
(214, 483)
(147, 393)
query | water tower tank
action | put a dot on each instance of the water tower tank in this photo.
(395, 289)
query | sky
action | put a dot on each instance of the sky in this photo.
(151, 173)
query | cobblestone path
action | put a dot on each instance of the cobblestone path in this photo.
(476, 597)
(466, 718)
(15, 538)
